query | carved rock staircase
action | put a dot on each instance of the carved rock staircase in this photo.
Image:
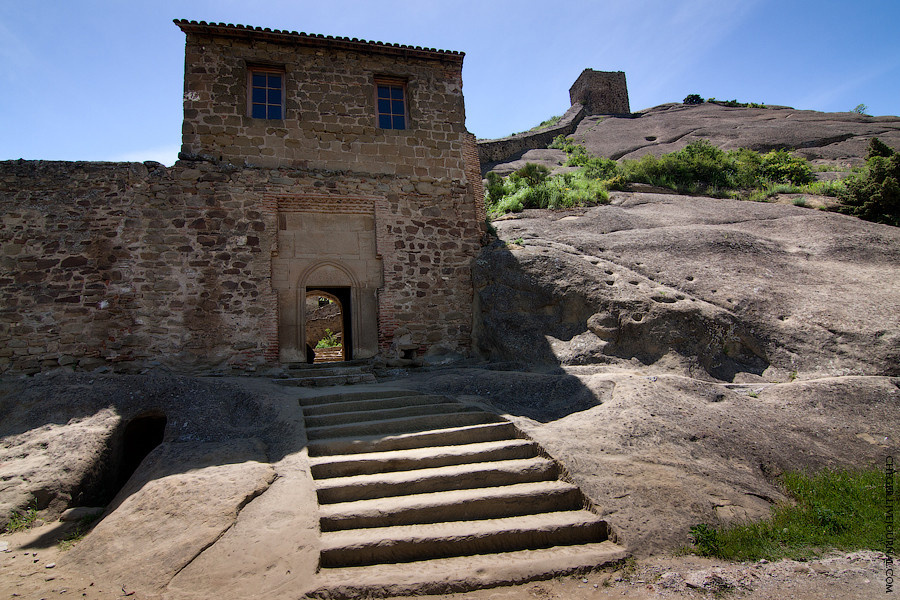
(421, 494)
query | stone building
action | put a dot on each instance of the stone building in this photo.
(310, 166)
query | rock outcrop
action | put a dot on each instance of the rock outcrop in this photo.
(820, 137)
(722, 289)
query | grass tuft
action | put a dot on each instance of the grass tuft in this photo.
(832, 510)
(20, 521)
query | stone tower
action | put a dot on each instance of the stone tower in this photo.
(601, 92)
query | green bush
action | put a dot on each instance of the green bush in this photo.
(559, 142)
(20, 521)
(699, 167)
(548, 123)
(329, 341)
(693, 99)
(533, 173)
(600, 168)
(874, 193)
(781, 166)
(878, 148)
(529, 187)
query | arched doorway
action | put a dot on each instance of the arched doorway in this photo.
(329, 324)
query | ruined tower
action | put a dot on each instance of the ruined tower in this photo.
(601, 92)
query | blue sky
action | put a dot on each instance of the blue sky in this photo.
(102, 79)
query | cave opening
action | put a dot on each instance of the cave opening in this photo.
(140, 436)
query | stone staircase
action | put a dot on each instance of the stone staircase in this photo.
(421, 494)
(327, 373)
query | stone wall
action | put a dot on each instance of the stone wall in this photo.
(490, 152)
(110, 262)
(104, 263)
(320, 320)
(473, 174)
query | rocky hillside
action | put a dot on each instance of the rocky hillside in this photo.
(706, 287)
(820, 137)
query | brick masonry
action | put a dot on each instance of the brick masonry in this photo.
(125, 263)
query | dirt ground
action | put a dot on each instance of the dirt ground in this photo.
(31, 573)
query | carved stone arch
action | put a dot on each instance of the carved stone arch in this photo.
(327, 273)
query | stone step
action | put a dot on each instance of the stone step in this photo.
(304, 366)
(347, 465)
(408, 424)
(325, 369)
(406, 543)
(463, 573)
(328, 408)
(456, 505)
(355, 396)
(438, 479)
(446, 436)
(326, 380)
(438, 407)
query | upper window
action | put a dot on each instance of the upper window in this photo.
(266, 94)
(391, 99)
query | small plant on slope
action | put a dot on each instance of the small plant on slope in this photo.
(20, 521)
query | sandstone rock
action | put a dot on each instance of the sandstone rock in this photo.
(736, 291)
(836, 137)
(76, 513)
(184, 497)
(201, 503)
(59, 430)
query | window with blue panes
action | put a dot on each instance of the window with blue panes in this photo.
(266, 94)
(391, 99)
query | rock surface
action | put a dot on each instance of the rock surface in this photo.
(837, 137)
(721, 289)
(225, 493)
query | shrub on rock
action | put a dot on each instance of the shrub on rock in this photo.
(874, 194)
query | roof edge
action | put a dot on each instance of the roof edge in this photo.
(312, 39)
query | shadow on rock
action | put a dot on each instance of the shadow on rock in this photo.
(549, 306)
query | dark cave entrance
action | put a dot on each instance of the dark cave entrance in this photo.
(141, 435)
